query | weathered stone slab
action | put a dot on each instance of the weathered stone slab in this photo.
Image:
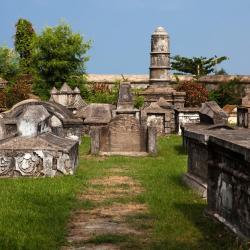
(125, 103)
(195, 140)
(211, 113)
(229, 180)
(125, 99)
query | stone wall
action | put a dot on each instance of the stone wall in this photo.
(142, 81)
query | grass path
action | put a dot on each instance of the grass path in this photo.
(105, 222)
(141, 203)
(111, 203)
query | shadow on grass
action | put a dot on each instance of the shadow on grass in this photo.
(180, 150)
(213, 235)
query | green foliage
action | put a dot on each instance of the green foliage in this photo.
(41, 88)
(228, 93)
(103, 93)
(23, 43)
(80, 82)
(198, 66)
(58, 53)
(139, 102)
(196, 94)
(14, 93)
(138, 99)
(9, 63)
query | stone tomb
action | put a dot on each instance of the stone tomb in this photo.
(124, 135)
(61, 121)
(195, 137)
(67, 97)
(159, 114)
(95, 114)
(228, 193)
(186, 116)
(33, 150)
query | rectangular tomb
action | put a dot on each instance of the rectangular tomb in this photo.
(228, 193)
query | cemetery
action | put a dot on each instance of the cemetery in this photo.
(133, 163)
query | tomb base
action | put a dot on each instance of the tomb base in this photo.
(196, 184)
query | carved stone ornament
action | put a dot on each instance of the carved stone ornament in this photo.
(29, 164)
(6, 165)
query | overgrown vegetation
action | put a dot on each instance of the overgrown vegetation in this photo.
(103, 93)
(34, 212)
(195, 93)
(138, 99)
(228, 93)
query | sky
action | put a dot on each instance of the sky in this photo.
(120, 30)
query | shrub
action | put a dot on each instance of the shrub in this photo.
(195, 93)
(138, 99)
(102, 93)
(228, 93)
(14, 93)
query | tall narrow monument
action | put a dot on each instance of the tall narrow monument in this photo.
(159, 75)
(159, 57)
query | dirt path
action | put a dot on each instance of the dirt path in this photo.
(113, 216)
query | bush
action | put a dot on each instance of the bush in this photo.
(195, 93)
(102, 93)
(138, 100)
(14, 93)
(228, 93)
(9, 63)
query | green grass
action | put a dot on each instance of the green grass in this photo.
(34, 212)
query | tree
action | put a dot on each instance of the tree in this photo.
(198, 66)
(58, 54)
(23, 43)
(9, 63)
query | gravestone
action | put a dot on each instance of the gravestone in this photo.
(125, 99)
(124, 135)
(125, 102)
